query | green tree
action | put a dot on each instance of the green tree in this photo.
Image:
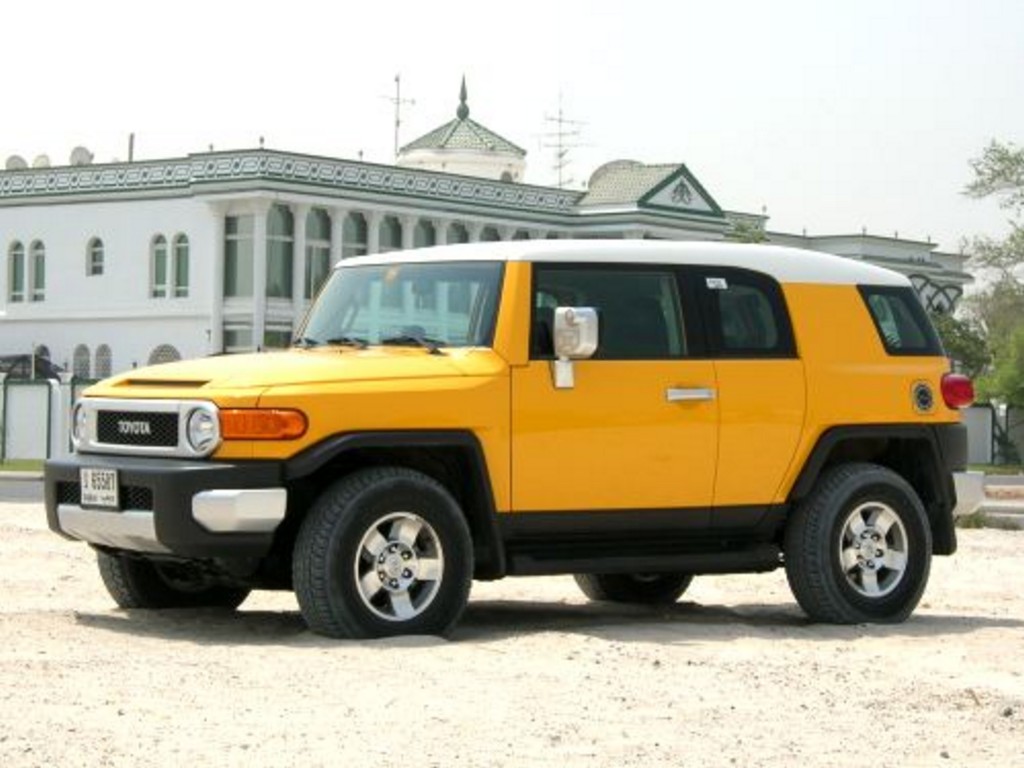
(964, 342)
(999, 308)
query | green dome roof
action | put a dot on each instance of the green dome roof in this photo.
(464, 134)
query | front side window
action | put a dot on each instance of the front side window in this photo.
(639, 311)
(902, 325)
(16, 272)
(158, 267)
(38, 271)
(352, 305)
(94, 257)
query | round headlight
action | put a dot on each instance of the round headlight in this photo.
(203, 430)
(78, 424)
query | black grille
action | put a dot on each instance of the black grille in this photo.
(136, 497)
(130, 496)
(69, 493)
(135, 428)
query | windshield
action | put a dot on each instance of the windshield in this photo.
(443, 303)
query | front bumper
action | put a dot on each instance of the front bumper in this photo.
(198, 509)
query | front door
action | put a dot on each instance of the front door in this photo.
(639, 428)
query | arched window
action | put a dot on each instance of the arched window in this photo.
(521, 234)
(158, 267)
(165, 353)
(457, 233)
(354, 236)
(94, 257)
(280, 241)
(103, 361)
(80, 364)
(16, 272)
(390, 234)
(181, 266)
(489, 235)
(318, 250)
(43, 351)
(424, 235)
(38, 271)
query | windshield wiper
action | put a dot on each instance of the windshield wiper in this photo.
(348, 341)
(407, 339)
(306, 342)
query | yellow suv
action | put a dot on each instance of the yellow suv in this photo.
(633, 413)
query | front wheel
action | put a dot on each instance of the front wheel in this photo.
(385, 551)
(136, 582)
(644, 588)
(859, 548)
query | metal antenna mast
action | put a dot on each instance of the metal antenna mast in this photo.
(398, 101)
(564, 135)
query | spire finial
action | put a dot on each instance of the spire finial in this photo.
(463, 111)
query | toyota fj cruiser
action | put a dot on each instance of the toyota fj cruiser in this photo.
(633, 413)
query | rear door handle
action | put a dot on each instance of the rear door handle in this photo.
(689, 394)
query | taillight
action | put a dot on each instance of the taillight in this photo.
(957, 390)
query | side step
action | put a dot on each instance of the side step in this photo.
(753, 558)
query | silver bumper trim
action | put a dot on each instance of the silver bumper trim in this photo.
(254, 510)
(132, 529)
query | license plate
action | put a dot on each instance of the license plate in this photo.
(99, 488)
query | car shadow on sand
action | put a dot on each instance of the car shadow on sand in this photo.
(487, 621)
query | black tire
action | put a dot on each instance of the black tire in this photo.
(135, 582)
(644, 588)
(837, 574)
(336, 557)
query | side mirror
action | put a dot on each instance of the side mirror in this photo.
(575, 338)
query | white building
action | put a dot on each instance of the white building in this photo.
(123, 264)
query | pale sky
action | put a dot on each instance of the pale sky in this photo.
(836, 114)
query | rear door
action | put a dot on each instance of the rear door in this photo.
(761, 385)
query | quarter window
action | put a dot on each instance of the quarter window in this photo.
(639, 311)
(900, 320)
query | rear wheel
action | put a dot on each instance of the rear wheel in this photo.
(136, 582)
(859, 548)
(646, 588)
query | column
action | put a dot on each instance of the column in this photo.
(440, 231)
(259, 272)
(474, 228)
(373, 219)
(299, 213)
(215, 343)
(505, 232)
(337, 233)
(408, 231)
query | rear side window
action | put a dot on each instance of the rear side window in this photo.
(901, 322)
(746, 314)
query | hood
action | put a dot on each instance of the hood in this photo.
(302, 366)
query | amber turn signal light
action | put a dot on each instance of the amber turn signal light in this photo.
(262, 424)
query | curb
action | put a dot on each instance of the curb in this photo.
(26, 476)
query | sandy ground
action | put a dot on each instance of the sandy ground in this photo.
(731, 676)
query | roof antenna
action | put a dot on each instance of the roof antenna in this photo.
(131, 147)
(565, 131)
(398, 101)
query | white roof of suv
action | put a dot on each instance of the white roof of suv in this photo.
(787, 265)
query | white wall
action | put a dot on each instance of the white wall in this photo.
(113, 308)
